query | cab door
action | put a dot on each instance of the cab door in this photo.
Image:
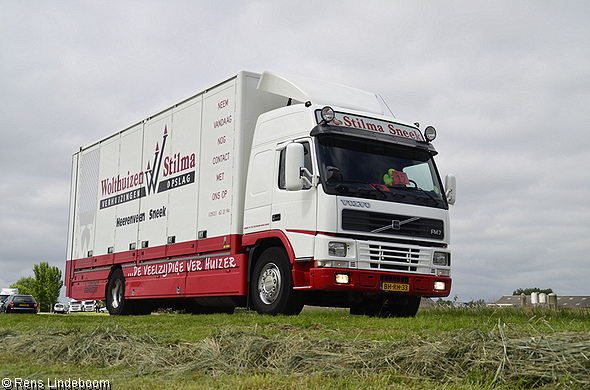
(295, 211)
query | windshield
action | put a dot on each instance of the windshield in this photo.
(378, 170)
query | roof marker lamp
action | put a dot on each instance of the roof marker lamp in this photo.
(328, 114)
(430, 133)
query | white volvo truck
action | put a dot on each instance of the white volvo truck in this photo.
(265, 191)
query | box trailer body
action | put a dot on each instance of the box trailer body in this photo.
(244, 195)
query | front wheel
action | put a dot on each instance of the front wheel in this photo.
(407, 306)
(271, 287)
(388, 305)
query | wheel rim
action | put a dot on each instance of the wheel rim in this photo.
(269, 283)
(116, 293)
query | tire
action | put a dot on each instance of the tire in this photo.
(389, 305)
(271, 286)
(405, 307)
(365, 310)
(115, 294)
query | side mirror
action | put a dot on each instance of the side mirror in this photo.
(451, 188)
(294, 161)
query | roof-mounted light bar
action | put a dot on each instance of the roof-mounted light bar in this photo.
(430, 133)
(328, 114)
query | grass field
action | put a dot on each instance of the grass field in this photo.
(319, 349)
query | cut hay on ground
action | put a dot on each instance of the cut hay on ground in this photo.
(453, 356)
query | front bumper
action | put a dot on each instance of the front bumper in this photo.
(365, 265)
(424, 285)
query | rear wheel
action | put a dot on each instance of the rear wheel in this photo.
(115, 294)
(271, 287)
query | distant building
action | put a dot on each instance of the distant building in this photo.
(563, 302)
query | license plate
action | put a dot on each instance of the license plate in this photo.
(395, 287)
(24, 304)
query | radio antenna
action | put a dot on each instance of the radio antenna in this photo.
(385, 103)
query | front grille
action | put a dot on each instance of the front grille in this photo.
(399, 225)
(394, 279)
(393, 257)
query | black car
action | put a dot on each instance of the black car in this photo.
(19, 304)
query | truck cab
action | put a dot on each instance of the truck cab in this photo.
(354, 198)
(75, 306)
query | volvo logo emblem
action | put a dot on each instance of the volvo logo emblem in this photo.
(356, 203)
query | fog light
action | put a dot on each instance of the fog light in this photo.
(341, 278)
(337, 249)
(440, 285)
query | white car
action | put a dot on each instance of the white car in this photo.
(60, 308)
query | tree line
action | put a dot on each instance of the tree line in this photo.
(44, 286)
(528, 291)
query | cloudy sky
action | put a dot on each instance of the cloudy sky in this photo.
(506, 84)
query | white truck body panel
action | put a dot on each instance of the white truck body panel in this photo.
(200, 146)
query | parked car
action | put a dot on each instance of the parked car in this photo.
(19, 304)
(60, 308)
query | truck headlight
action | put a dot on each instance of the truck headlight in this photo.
(337, 249)
(440, 258)
(440, 285)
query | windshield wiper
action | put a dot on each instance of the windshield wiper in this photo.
(416, 188)
(342, 187)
